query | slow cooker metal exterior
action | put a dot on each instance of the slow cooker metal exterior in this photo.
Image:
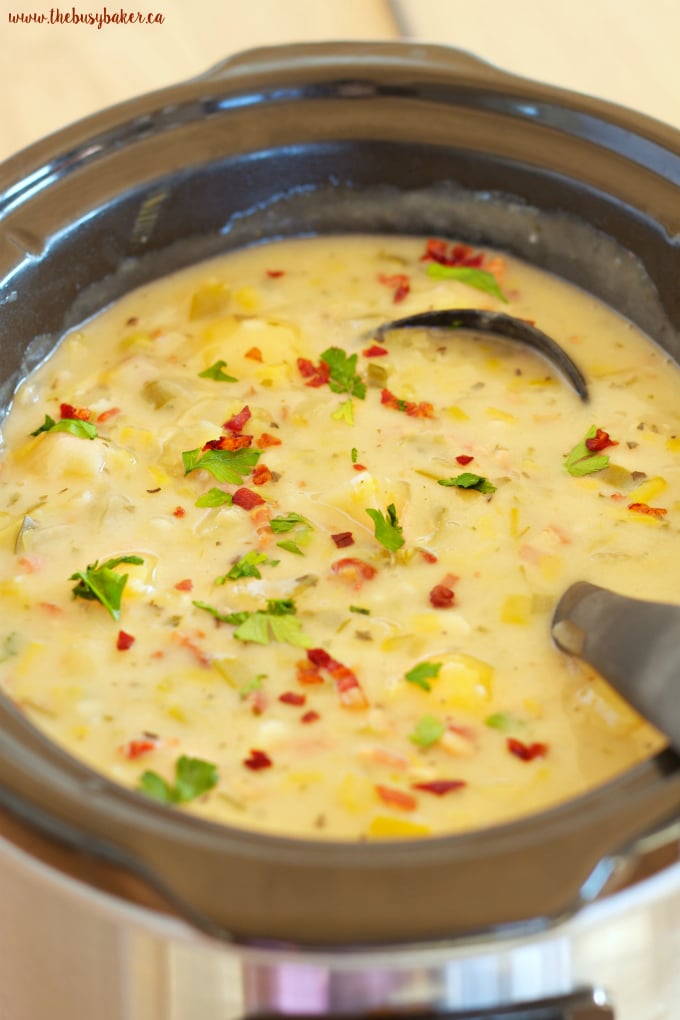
(126, 910)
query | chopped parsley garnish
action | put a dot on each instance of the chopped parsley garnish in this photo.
(291, 547)
(428, 731)
(388, 531)
(582, 461)
(216, 372)
(102, 583)
(193, 776)
(343, 373)
(277, 623)
(477, 278)
(360, 609)
(345, 412)
(224, 465)
(503, 721)
(421, 674)
(287, 522)
(75, 426)
(468, 480)
(246, 567)
(355, 455)
(215, 497)
(254, 684)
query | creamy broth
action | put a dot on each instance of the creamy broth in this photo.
(319, 670)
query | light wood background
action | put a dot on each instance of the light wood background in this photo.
(627, 51)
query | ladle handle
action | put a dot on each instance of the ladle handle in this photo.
(633, 644)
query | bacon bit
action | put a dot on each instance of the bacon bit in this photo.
(69, 411)
(236, 423)
(255, 354)
(343, 538)
(442, 597)
(31, 564)
(293, 698)
(617, 496)
(191, 645)
(375, 352)
(124, 641)
(307, 674)
(274, 274)
(179, 511)
(51, 608)
(396, 798)
(353, 571)
(428, 556)
(158, 654)
(384, 756)
(258, 760)
(266, 439)
(261, 475)
(421, 410)
(316, 375)
(359, 467)
(186, 585)
(651, 511)
(247, 499)
(136, 748)
(464, 458)
(310, 717)
(600, 441)
(106, 415)
(526, 752)
(232, 442)
(452, 254)
(400, 284)
(347, 685)
(440, 786)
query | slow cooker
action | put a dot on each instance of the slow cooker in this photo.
(118, 908)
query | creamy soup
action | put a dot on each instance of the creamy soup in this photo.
(259, 565)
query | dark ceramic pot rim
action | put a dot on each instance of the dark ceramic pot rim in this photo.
(251, 150)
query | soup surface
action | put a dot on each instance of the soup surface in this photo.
(258, 564)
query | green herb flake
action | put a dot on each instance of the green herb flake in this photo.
(503, 721)
(582, 461)
(343, 373)
(388, 531)
(277, 623)
(254, 684)
(480, 279)
(421, 674)
(345, 412)
(193, 777)
(75, 426)
(291, 547)
(233, 618)
(224, 465)
(468, 480)
(246, 567)
(360, 609)
(216, 372)
(354, 455)
(215, 497)
(103, 583)
(10, 646)
(428, 731)
(287, 522)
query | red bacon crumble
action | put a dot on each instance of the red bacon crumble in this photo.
(428, 556)
(257, 760)
(600, 441)
(124, 641)
(186, 585)
(138, 747)
(254, 354)
(400, 284)
(526, 752)
(293, 698)
(396, 798)
(233, 442)
(236, 423)
(359, 467)
(421, 410)
(247, 499)
(343, 538)
(353, 571)
(316, 375)
(307, 674)
(310, 717)
(179, 511)
(261, 475)
(452, 254)
(106, 415)
(442, 597)
(374, 351)
(347, 685)
(440, 786)
(274, 274)
(651, 511)
(464, 458)
(69, 411)
(266, 440)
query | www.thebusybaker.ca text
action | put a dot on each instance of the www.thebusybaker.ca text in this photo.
(55, 16)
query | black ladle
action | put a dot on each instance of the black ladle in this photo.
(495, 324)
(633, 644)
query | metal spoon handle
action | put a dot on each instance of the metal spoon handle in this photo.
(633, 644)
(496, 324)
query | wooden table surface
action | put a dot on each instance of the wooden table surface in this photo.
(52, 73)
